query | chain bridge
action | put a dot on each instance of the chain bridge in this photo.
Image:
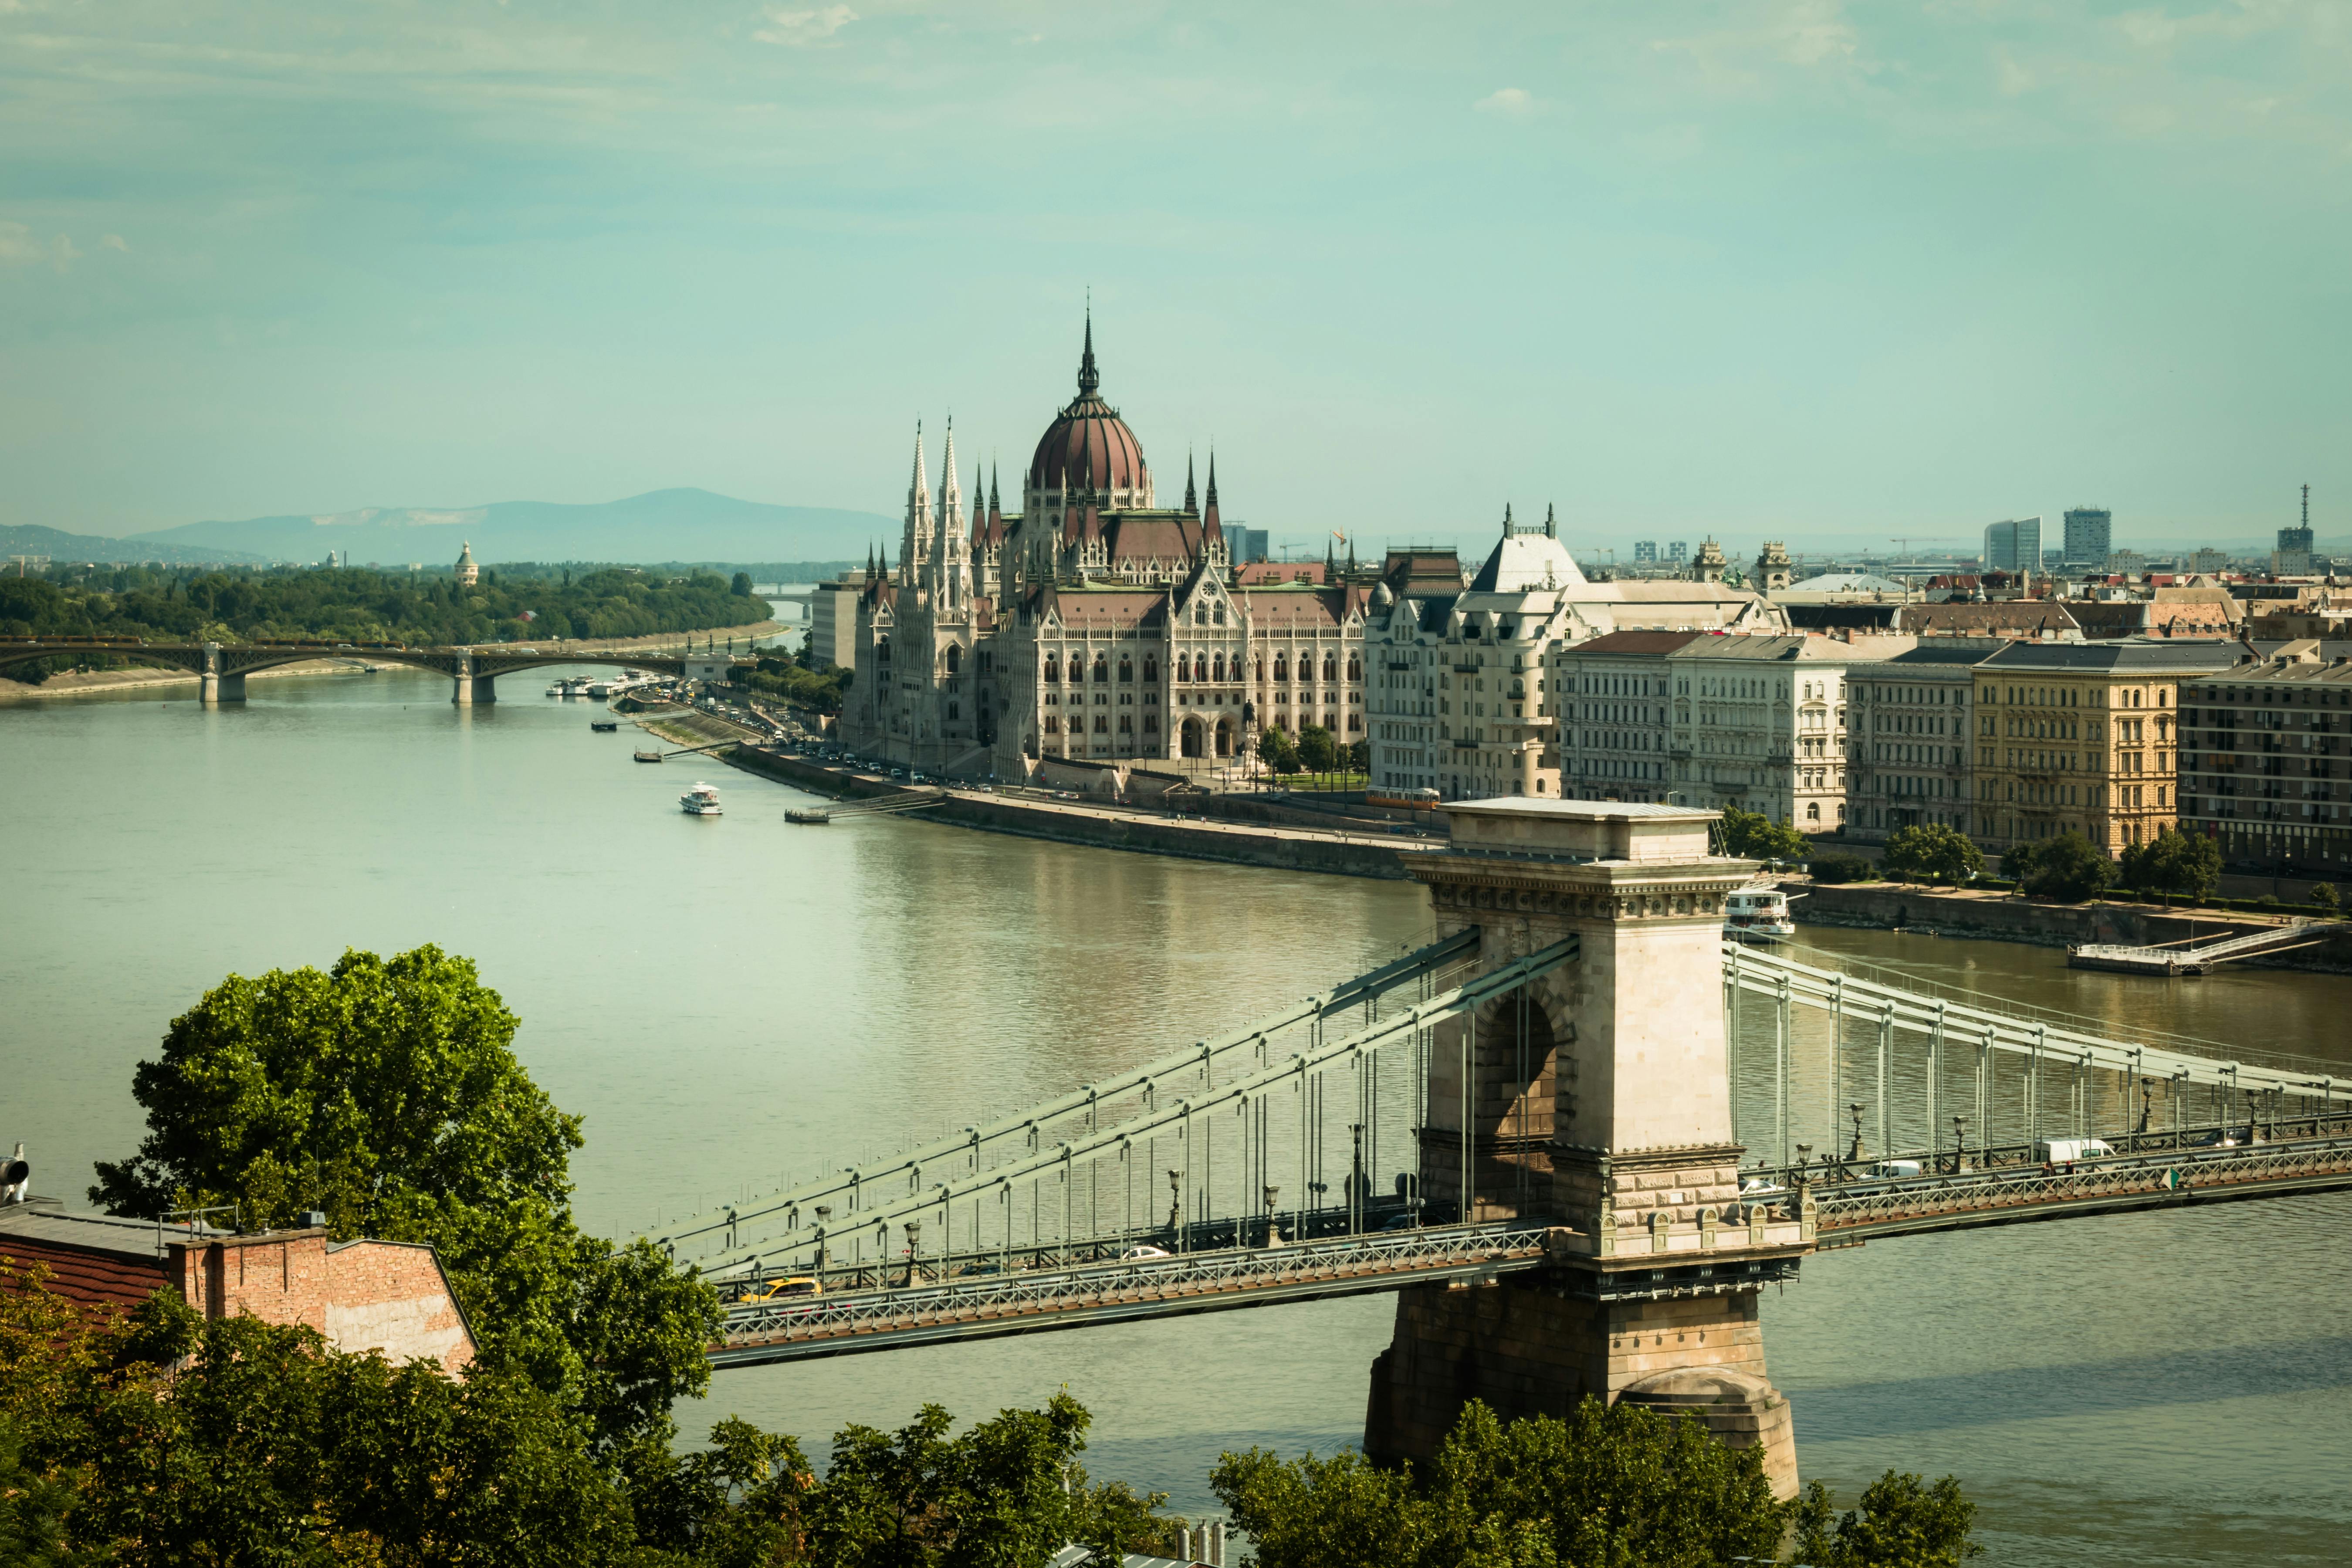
(223, 667)
(1576, 1135)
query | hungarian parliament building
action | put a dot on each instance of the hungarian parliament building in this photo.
(1095, 624)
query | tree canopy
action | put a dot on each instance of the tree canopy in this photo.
(1933, 849)
(2067, 868)
(386, 1095)
(2172, 862)
(1753, 836)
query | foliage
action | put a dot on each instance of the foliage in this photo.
(2172, 862)
(358, 605)
(742, 585)
(2322, 896)
(797, 682)
(2067, 868)
(1833, 865)
(1933, 849)
(265, 1445)
(1359, 759)
(386, 1095)
(1903, 1523)
(1609, 1485)
(1317, 748)
(1278, 750)
(1752, 836)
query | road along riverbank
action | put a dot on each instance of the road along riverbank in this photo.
(1282, 847)
(2004, 917)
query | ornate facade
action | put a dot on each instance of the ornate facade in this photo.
(1092, 623)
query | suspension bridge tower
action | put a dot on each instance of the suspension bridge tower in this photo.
(1597, 1097)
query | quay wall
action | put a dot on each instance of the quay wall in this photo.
(1884, 906)
(1101, 827)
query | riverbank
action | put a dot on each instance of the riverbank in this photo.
(77, 684)
(2003, 917)
(1279, 847)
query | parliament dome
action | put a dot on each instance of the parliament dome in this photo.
(1088, 448)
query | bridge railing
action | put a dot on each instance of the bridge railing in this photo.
(1236, 1269)
(1873, 1205)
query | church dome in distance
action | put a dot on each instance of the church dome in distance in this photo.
(1088, 446)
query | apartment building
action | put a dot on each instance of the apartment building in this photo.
(2266, 763)
(1907, 718)
(2082, 737)
(1760, 725)
(1616, 728)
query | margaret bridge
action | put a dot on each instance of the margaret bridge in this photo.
(1632, 1089)
(223, 667)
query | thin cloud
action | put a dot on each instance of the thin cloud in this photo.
(1514, 101)
(19, 248)
(805, 29)
(113, 242)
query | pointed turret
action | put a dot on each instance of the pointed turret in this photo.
(1506, 519)
(995, 507)
(1192, 501)
(1209, 516)
(1088, 377)
(1551, 524)
(950, 488)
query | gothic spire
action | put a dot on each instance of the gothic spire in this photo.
(1088, 377)
(1192, 503)
(951, 492)
(917, 486)
(1506, 519)
(994, 505)
(1551, 525)
(1213, 476)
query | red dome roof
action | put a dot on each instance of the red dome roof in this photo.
(1088, 446)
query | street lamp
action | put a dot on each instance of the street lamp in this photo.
(1271, 1192)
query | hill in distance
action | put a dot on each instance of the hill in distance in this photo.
(32, 538)
(659, 526)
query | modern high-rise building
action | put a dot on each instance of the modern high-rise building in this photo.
(2013, 546)
(1645, 552)
(1678, 551)
(1245, 544)
(2089, 535)
(2292, 557)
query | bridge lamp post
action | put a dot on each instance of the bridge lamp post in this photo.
(824, 1213)
(1271, 1192)
(1176, 1207)
(1356, 1181)
(1960, 1144)
(914, 1249)
(1854, 1153)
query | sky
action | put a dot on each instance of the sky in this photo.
(1833, 273)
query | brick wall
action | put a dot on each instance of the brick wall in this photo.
(383, 1296)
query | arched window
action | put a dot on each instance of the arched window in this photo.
(1814, 812)
(955, 658)
(1220, 668)
(1126, 724)
(1257, 667)
(1150, 667)
(955, 711)
(1052, 668)
(1330, 667)
(1053, 723)
(1102, 668)
(883, 652)
(1282, 667)
(1102, 723)
(1355, 668)
(1125, 668)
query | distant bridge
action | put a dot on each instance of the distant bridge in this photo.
(223, 667)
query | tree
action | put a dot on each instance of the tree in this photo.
(1276, 751)
(1610, 1485)
(1903, 1523)
(1933, 849)
(1752, 836)
(2068, 869)
(1317, 748)
(385, 1094)
(2324, 897)
(742, 587)
(2172, 862)
(1360, 757)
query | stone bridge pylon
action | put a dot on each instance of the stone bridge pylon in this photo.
(1598, 1097)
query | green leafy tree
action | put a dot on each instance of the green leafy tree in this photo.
(1752, 836)
(1903, 1522)
(994, 1496)
(2068, 869)
(742, 585)
(1834, 866)
(386, 1095)
(1933, 849)
(1278, 750)
(1317, 748)
(2324, 897)
(2188, 863)
(1360, 757)
(1610, 1485)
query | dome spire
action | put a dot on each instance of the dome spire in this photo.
(1088, 377)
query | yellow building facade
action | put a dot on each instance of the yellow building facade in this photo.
(2084, 738)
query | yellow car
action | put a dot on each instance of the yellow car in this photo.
(799, 1288)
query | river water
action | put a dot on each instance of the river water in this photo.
(733, 1001)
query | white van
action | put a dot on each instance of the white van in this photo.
(1890, 1170)
(2066, 1151)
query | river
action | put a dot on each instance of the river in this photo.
(733, 1001)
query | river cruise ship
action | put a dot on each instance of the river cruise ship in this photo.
(702, 800)
(1757, 914)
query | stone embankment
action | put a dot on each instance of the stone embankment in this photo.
(2003, 917)
(1284, 847)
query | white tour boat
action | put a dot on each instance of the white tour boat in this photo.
(1757, 914)
(702, 800)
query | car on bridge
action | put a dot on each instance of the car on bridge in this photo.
(773, 1292)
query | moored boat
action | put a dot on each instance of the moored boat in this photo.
(606, 726)
(1758, 912)
(702, 800)
(816, 816)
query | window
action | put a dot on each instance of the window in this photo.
(1282, 667)
(1151, 668)
(1102, 723)
(1125, 668)
(1052, 668)
(1102, 668)
(1330, 667)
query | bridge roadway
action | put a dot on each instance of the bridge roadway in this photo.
(223, 667)
(987, 1296)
